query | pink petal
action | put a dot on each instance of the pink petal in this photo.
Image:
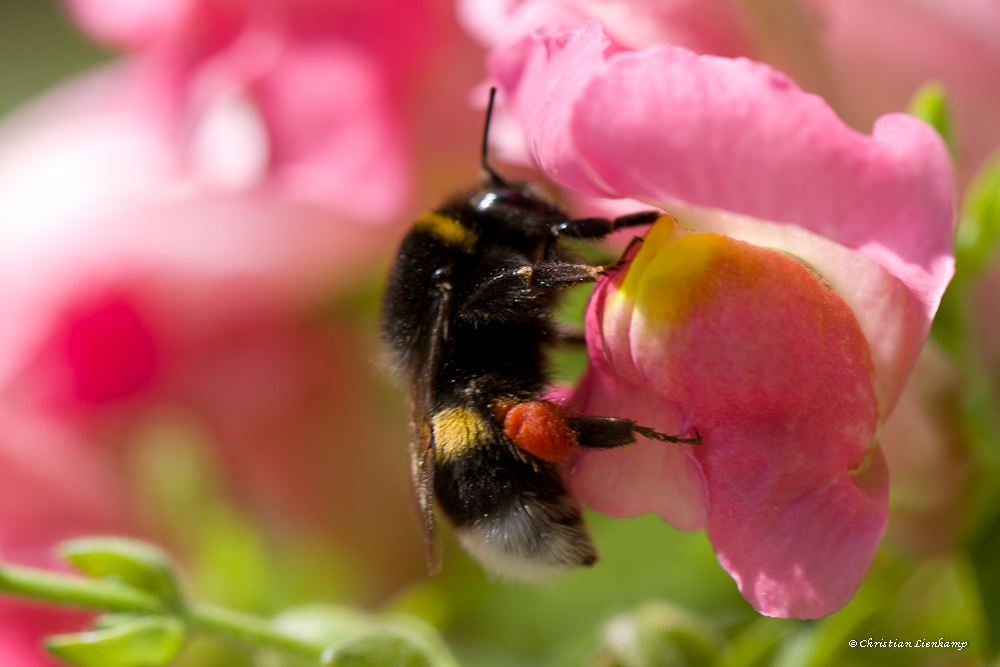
(547, 111)
(883, 51)
(651, 477)
(772, 368)
(891, 318)
(666, 125)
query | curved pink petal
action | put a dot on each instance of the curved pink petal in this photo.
(666, 125)
(772, 368)
(890, 316)
(649, 477)
(884, 50)
(543, 97)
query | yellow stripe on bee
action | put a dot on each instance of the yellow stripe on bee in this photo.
(457, 430)
(447, 230)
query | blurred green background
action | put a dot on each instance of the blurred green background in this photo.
(39, 47)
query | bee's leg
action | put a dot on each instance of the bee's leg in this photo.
(595, 228)
(617, 264)
(564, 274)
(554, 273)
(571, 335)
(513, 292)
(611, 432)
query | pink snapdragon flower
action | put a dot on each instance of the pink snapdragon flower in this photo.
(779, 316)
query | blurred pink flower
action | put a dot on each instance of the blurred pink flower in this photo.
(130, 285)
(170, 231)
(780, 318)
(306, 94)
(173, 233)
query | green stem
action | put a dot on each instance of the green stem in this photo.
(111, 596)
(247, 629)
(100, 595)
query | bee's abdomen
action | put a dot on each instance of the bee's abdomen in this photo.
(510, 511)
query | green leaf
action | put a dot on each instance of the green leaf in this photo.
(980, 228)
(143, 642)
(756, 644)
(984, 554)
(139, 564)
(380, 648)
(358, 640)
(822, 644)
(975, 249)
(657, 635)
(930, 104)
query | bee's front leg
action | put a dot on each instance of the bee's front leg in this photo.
(596, 228)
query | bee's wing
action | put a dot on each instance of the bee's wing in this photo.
(422, 472)
(422, 460)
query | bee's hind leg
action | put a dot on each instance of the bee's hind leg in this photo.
(611, 432)
(571, 336)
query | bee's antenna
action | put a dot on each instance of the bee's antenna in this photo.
(495, 177)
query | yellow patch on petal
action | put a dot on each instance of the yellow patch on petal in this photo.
(668, 277)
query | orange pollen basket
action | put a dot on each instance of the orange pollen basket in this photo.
(538, 427)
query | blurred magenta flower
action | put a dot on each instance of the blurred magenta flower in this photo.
(780, 317)
(305, 95)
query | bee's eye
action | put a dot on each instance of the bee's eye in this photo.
(486, 201)
(503, 201)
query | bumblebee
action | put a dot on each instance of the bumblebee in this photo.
(467, 318)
